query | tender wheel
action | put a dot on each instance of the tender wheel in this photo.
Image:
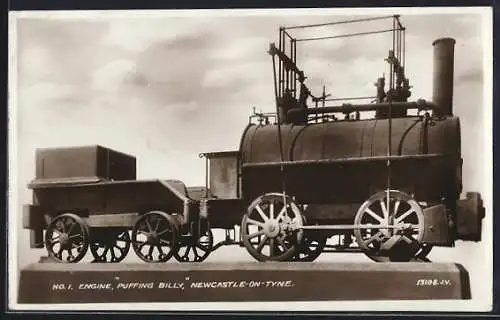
(192, 250)
(110, 246)
(155, 237)
(311, 248)
(390, 230)
(67, 238)
(270, 230)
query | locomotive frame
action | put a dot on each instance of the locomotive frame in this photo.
(280, 188)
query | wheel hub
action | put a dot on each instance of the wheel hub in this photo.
(153, 238)
(272, 228)
(64, 239)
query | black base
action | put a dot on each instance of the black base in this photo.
(172, 282)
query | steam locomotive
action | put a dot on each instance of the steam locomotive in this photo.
(382, 178)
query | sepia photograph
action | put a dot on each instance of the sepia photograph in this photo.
(251, 160)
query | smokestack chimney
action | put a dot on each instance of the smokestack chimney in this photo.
(443, 75)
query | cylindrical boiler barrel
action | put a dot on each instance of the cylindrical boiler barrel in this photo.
(350, 139)
(443, 75)
(352, 171)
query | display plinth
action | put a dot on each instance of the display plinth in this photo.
(211, 282)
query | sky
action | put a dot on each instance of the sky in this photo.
(165, 88)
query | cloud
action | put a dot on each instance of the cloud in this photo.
(68, 49)
(112, 75)
(189, 71)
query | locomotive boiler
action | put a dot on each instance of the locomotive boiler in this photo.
(383, 178)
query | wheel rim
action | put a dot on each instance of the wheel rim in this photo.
(114, 247)
(389, 244)
(67, 238)
(270, 230)
(196, 251)
(154, 237)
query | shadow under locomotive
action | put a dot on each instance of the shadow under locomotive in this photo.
(387, 184)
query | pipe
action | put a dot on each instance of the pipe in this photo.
(347, 108)
(443, 75)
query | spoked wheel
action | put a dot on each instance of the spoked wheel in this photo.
(195, 250)
(155, 237)
(67, 238)
(110, 246)
(270, 228)
(390, 230)
(311, 248)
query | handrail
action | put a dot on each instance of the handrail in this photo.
(349, 160)
(348, 35)
(348, 108)
(339, 22)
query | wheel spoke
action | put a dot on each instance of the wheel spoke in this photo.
(163, 232)
(271, 246)
(261, 213)
(73, 224)
(374, 237)
(255, 234)
(149, 226)
(404, 215)
(408, 240)
(160, 249)
(141, 245)
(106, 251)
(396, 207)
(202, 248)
(271, 210)
(262, 243)
(281, 213)
(165, 241)
(414, 226)
(374, 215)
(75, 236)
(143, 232)
(63, 226)
(114, 257)
(196, 252)
(255, 222)
(384, 209)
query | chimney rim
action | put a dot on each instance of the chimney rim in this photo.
(445, 39)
